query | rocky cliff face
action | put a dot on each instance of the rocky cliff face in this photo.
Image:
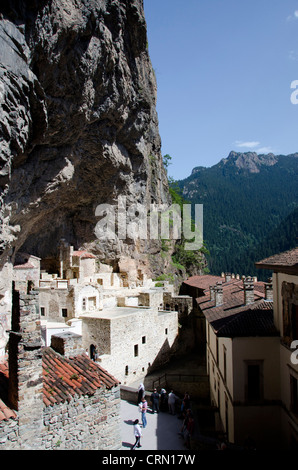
(78, 123)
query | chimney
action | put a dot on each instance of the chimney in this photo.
(25, 367)
(212, 294)
(218, 293)
(248, 286)
(228, 277)
(269, 290)
(67, 344)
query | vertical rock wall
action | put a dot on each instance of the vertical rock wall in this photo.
(78, 123)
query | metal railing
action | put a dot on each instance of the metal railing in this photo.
(179, 377)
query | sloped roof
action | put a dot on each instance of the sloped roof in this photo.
(256, 321)
(64, 378)
(83, 254)
(233, 318)
(24, 266)
(233, 299)
(202, 282)
(285, 262)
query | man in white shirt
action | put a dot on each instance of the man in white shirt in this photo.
(172, 402)
(137, 433)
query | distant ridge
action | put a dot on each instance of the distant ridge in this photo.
(250, 203)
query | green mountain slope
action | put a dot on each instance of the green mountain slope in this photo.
(245, 197)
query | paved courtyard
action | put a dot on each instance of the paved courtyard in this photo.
(161, 432)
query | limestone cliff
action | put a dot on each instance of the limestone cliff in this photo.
(78, 123)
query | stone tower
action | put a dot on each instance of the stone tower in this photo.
(25, 367)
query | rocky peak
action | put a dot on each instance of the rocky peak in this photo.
(250, 161)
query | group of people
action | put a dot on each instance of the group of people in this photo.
(164, 402)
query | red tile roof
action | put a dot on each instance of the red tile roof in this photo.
(284, 262)
(203, 282)
(24, 266)
(233, 317)
(233, 296)
(83, 254)
(255, 321)
(62, 380)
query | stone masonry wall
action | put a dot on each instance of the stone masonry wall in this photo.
(9, 432)
(84, 422)
(25, 368)
(87, 423)
(150, 343)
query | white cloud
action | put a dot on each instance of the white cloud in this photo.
(249, 145)
(255, 146)
(294, 16)
(265, 150)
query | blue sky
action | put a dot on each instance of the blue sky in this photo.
(224, 70)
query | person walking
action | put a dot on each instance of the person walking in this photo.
(155, 401)
(172, 402)
(144, 412)
(137, 433)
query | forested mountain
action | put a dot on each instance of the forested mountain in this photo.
(250, 208)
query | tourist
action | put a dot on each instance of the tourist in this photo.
(141, 392)
(137, 433)
(163, 400)
(185, 405)
(189, 431)
(155, 401)
(185, 421)
(186, 400)
(95, 352)
(172, 402)
(144, 412)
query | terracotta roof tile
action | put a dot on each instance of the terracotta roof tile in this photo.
(202, 282)
(233, 317)
(83, 254)
(62, 379)
(287, 260)
(249, 322)
(24, 266)
(5, 412)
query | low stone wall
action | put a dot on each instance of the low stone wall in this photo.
(130, 394)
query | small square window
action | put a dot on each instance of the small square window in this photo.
(166, 331)
(64, 312)
(143, 339)
(42, 311)
(136, 350)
